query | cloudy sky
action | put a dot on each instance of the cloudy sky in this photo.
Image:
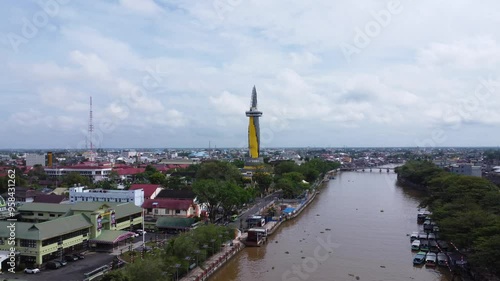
(175, 73)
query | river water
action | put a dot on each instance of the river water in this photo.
(355, 230)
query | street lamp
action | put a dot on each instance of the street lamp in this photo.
(177, 271)
(188, 258)
(213, 248)
(197, 252)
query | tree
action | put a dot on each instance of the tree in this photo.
(207, 192)
(116, 275)
(238, 163)
(157, 178)
(263, 181)
(73, 178)
(285, 167)
(219, 170)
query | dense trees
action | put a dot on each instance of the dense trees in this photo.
(174, 259)
(466, 208)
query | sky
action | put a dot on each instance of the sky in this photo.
(172, 73)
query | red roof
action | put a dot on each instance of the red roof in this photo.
(149, 189)
(129, 171)
(172, 204)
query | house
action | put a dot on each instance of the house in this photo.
(128, 173)
(171, 210)
(24, 194)
(150, 190)
(83, 194)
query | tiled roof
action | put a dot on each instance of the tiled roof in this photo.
(129, 171)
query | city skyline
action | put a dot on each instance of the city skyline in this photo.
(176, 75)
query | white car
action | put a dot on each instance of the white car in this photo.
(140, 232)
(31, 270)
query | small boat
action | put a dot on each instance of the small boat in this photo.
(443, 246)
(430, 259)
(433, 246)
(415, 245)
(419, 258)
(442, 259)
(414, 235)
(424, 245)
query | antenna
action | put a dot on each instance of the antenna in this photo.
(91, 130)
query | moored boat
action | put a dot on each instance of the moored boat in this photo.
(442, 259)
(419, 258)
(430, 259)
(415, 245)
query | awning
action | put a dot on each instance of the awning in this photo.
(112, 236)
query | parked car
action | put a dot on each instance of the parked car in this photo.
(140, 231)
(62, 262)
(80, 256)
(53, 265)
(70, 258)
(430, 259)
(31, 270)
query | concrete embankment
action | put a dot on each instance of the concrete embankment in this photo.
(218, 260)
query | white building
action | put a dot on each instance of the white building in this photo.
(466, 169)
(81, 194)
(95, 173)
(33, 159)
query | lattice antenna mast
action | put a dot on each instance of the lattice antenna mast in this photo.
(91, 130)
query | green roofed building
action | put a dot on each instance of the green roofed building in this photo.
(45, 232)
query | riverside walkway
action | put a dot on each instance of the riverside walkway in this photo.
(205, 270)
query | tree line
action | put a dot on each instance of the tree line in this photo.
(466, 208)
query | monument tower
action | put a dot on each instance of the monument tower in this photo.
(253, 132)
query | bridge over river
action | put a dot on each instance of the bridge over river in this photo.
(368, 169)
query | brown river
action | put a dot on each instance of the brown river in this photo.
(357, 229)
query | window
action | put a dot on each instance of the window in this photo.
(27, 243)
(52, 215)
(177, 212)
(156, 211)
(40, 214)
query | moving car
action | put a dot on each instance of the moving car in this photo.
(53, 265)
(62, 262)
(31, 270)
(140, 231)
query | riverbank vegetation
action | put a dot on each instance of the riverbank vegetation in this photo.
(466, 208)
(178, 256)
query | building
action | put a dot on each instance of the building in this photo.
(150, 190)
(94, 173)
(254, 133)
(174, 210)
(25, 194)
(82, 194)
(466, 169)
(45, 231)
(33, 159)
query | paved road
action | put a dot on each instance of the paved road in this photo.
(259, 204)
(73, 271)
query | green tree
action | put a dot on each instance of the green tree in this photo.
(238, 163)
(157, 178)
(285, 167)
(73, 178)
(263, 181)
(116, 275)
(219, 170)
(207, 191)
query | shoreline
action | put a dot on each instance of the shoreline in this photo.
(220, 259)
